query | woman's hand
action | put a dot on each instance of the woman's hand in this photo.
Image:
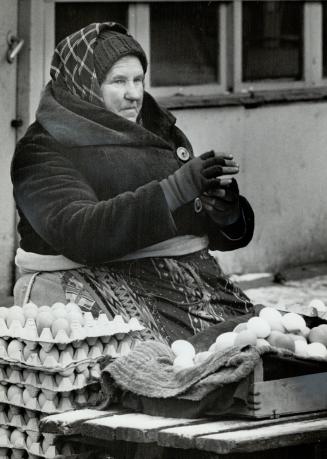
(222, 204)
(196, 177)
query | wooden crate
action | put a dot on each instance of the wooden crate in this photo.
(283, 386)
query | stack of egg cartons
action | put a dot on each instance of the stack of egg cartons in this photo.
(50, 363)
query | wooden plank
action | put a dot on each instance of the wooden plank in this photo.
(300, 394)
(184, 437)
(69, 423)
(264, 438)
(132, 427)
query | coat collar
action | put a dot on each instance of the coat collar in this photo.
(75, 122)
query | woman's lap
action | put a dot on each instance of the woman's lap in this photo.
(172, 297)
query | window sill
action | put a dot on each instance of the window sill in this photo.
(249, 100)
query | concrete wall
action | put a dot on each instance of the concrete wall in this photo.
(8, 23)
(282, 152)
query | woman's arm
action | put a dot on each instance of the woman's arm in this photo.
(64, 210)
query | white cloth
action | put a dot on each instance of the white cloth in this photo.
(29, 262)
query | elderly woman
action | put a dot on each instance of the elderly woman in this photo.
(115, 211)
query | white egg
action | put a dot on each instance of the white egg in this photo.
(183, 361)
(269, 313)
(262, 343)
(318, 304)
(293, 322)
(59, 313)
(224, 341)
(316, 350)
(259, 326)
(182, 347)
(201, 357)
(301, 348)
(52, 353)
(4, 312)
(13, 347)
(58, 305)
(44, 319)
(30, 312)
(15, 313)
(74, 316)
(73, 307)
(14, 393)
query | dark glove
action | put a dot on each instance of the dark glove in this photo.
(222, 204)
(195, 177)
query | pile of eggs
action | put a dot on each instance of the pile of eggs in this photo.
(49, 363)
(269, 329)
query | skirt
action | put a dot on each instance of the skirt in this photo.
(172, 297)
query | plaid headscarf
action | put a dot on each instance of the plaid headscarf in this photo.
(72, 64)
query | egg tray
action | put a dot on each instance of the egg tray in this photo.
(49, 402)
(36, 451)
(80, 359)
(11, 416)
(41, 380)
(23, 454)
(101, 327)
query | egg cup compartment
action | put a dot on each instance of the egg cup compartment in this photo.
(81, 376)
(92, 329)
(19, 417)
(49, 402)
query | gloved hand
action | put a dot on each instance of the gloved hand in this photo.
(222, 204)
(195, 177)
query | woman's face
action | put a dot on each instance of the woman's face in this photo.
(123, 88)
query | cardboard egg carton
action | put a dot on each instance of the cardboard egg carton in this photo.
(20, 418)
(33, 443)
(49, 381)
(36, 445)
(30, 332)
(47, 401)
(64, 361)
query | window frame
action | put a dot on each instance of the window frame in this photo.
(312, 53)
(230, 51)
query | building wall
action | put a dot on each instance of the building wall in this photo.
(8, 23)
(281, 150)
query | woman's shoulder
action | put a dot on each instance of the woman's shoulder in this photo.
(35, 134)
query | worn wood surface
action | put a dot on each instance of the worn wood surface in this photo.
(264, 438)
(307, 393)
(224, 436)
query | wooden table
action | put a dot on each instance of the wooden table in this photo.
(120, 434)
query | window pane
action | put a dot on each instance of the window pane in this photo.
(324, 35)
(184, 43)
(72, 16)
(272, 40)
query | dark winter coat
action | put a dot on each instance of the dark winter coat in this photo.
(86, 182)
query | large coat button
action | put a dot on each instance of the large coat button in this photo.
(183, 154)
(198, 205)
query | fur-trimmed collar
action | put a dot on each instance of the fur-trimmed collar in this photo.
(75, 122)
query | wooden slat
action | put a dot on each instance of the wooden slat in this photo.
(264, 438)
(291, 395)
(132, 427)
(69, 423)
(185, 436)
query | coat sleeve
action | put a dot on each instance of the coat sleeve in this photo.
(65, 212)
(236, 237)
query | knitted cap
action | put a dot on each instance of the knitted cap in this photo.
(112, 45)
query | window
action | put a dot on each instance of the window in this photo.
(72, 16)
(210, 47)
(272, 40)
(184, 43)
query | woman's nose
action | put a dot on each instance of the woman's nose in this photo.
(132, 91)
